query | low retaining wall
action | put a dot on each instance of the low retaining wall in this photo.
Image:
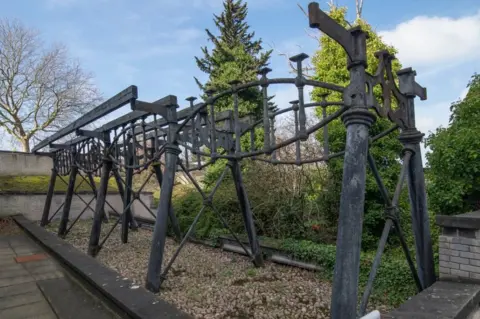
(444, 299)
(129, 299)
(460, 246)
(18, 163)
(31, 205)
(457, 294)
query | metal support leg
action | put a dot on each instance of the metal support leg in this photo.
(48, 200)
(352, 200)
(99, 206)
(411, 138)
(128, 194)
(171, 213)
(68, 201)
(160, 231)
(420, 220)
(91, 181)
(121, 190)
(392, 220)
(357, 121)
(247, 213)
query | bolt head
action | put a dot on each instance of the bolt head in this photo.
(299, 57)
(264, 71)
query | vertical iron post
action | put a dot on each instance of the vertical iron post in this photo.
(172, 151)
(247, 213)
(93, 246)
(121, 191)
(411, 138)
(357, 121)
(94, 190)
(127, 199)
(171, 212)
(69, 195)
(51, 189)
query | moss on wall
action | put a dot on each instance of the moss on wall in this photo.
(39, 184)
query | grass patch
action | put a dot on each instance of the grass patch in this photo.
(251, 272)
(39, 184)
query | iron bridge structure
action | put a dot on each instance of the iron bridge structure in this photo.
(162, 139)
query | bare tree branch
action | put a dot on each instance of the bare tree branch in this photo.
(359, 8)
(41, 88)
(307, 69)
(302, 9)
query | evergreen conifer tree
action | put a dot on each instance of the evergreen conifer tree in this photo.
(236, 56)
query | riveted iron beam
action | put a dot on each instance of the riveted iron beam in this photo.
(88, 133)
(60, 146)
(103, 109)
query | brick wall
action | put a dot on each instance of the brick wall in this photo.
(459, 254)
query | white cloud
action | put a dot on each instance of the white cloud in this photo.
(424, 40)
(426, 124)
(431, 116)
(463, 94)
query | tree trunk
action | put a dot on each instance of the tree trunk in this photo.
(25, 145)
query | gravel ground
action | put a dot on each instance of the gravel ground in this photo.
(210, 283)
(8, 227)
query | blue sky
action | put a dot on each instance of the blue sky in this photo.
(152, 43)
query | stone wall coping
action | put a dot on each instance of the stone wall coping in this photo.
(131, 300)
(27, 153)
(445, 299)
(468, 220)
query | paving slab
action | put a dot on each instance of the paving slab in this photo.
(21, 299)
(40, 263)
(51, 275)
(32, 310)
(15, 281)
(6, 252)
(6, 261)
(11, 267)
(34, 285)
(70, 301)
(18, 289)
(29, 257)
(131, 303)
(15, 272)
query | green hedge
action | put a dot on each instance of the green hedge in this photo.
(393, 283)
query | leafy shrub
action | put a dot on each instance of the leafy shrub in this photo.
(393, 283)
(283, 201)
(454, 165)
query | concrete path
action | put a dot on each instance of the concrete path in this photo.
(33, 285)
